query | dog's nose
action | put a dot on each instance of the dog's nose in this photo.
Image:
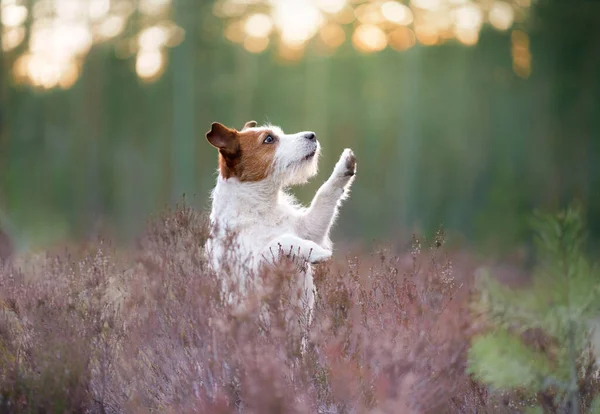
(310, 136)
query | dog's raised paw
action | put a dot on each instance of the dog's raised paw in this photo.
(350, 159)
(346, 166)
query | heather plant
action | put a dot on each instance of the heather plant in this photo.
(538, 341)
(149, 329)
(55, 333)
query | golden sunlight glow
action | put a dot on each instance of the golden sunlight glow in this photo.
(69, 75)
(431, 5)
(467, 37)
(441, 21)
(149, 64)
(396, 12)
(369, 13)
(290, 53)
(111, 27)
(345, 16)
(501, 15)
(46, 71)
(21, 68)
(13, 15)
(98, 9)
(12, 37)
(369, 38)
(332, 35)
(62, 41)
(154, 7)
(296, 20)
(229, 8)
(427, 34)
(69, 9)
(175, 34)
(123, 8)
(62, 33)
(46, 41)
(235, 32)
(521, 54)
(258, 25)
(43, 72)
(42, 9)
(81, 37)
(153, 37)
(402, 39)
(256, 44)
(376, 22)
(468, 17)
(331, 6)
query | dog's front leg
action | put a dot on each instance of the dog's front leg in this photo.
(292, 246)
(317, 221)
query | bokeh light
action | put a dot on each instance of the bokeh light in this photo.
(396, 12)
(13, 15)
(468, 17)
(149, 64)
(501, 15)
(369, 13)
(258, 25)
(427, 34)
(520, 53)
(402, 39)
(296, 20)
(111, 27)
(12, 37)
(369, 38)
(429, 5)
(58, 34)
(373, 24)
(152, 37)
(256, 44)
(332, 35)
(51, 38)
(331, 6)
(467, 36)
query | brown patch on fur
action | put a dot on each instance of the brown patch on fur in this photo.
(242, 154)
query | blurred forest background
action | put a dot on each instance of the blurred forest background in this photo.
(462, 112)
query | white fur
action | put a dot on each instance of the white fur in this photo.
(265, 218)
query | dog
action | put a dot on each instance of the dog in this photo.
(256, 166)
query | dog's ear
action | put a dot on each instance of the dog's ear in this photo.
(249, 124)
(223, 138)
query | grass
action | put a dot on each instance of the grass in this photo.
(147, 330)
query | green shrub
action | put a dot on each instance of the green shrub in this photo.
(538, 341)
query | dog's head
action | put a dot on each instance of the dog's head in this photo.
(265, 153)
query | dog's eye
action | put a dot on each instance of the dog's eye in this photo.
(269, 139)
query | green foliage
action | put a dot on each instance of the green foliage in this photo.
(541, 333)
(595, 406)
(508, 362)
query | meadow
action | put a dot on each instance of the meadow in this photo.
(100, 329)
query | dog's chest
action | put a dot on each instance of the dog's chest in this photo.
(255, 232)
(255, 227)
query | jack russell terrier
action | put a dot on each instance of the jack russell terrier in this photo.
(249, 201)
